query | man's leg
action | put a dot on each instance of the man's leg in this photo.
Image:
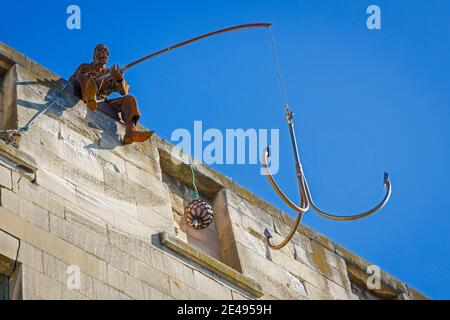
(130, 115)
(89, 92)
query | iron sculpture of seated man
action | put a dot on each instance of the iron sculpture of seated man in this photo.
(92, 90)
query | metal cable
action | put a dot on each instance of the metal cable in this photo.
(278, 69)
(37, 115)
(195, 193)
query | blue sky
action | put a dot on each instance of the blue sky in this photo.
(365, 102)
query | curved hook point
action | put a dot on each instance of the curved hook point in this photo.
(386, 178)
(267, 234)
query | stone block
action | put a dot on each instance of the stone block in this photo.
(179, 290)
(246, 238)
(140, 176)
(315, 293)
(96, 289)
(153, 277)
(256, 265)
(5, 177)
(246, 208)
(85, 219)
(110, 160)
(55, 269)
(281, 290)
(322, 261)
(40, 285)
(313, 235)
(210, 287)
(82, 179)
(49, 140)
(44, 159)
(115, 181)
(75, 235)
(31, 256)
(78, 155)
(40, 196)
(256, 201)
(125, 283)
(56, 185)
(178, 270)
(230, 256)
(43, 240)
(144, 157)
(25, 208)
(159, 219)
(92, 243)
(340, 293)
(141, 250)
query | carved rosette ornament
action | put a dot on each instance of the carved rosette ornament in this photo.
(198, 214)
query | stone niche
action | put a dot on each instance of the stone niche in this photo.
(217, 241)
(205, 240)
(8, 95)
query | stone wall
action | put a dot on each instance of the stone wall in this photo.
(72, 195)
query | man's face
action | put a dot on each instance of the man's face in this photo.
(101, 56)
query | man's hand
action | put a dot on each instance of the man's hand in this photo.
(116, 73)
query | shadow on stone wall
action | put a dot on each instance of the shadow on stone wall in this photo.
(55, 86)
(110, 129)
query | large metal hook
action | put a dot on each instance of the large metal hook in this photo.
(306, 200)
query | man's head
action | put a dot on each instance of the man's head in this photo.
(101, 54)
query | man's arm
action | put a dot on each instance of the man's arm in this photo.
(120, 85)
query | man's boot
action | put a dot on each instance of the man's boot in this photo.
(90, 94)
(132, 135)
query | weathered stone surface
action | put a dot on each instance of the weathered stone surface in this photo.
(159, 220)
(211, 264)
(5, 177)
(85, 219)
(329, 264)
(31, 256)
(56, 185)
(26, 209)
(139, 249)
(180, 291)
(126, 283)
(44, 287)
(41, 197)
(264, 271)
(152, 277)
(211, 287)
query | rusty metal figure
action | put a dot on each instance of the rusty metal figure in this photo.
(306, 201)
(90, 87)
(94, 82)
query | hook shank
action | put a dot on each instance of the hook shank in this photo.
(306, 200)
(304, 206)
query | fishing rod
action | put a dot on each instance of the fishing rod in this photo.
(184, 43)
